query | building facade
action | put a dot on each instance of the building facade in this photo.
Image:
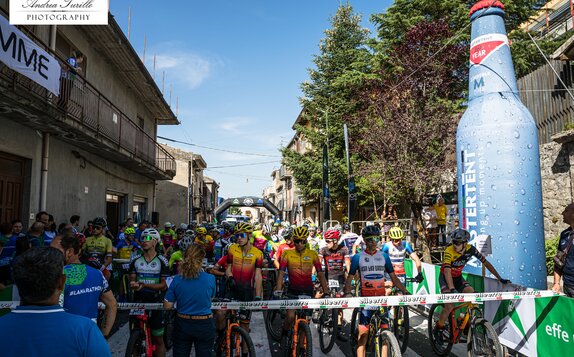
(91, 150)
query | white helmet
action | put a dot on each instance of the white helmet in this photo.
(152, 232)
(167, 225)
(185, 242)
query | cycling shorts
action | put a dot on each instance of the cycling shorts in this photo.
(459, 284)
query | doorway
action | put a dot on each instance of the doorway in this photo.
(115, 211)
(11, 181)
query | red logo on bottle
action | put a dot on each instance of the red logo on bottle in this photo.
(483, 46)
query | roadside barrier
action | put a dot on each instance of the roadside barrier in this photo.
(347, 303)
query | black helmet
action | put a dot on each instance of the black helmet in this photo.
(459, 235)
(99, 221)
(346, 227)
(287, 233)
(370, 231)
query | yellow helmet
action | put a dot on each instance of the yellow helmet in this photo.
(300, 232)
(129, 230)
(396, 233)
(243, 227)
(201, 230)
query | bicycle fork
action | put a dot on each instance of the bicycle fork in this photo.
(294, 347)
(228, 340)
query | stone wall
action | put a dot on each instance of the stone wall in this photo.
(556, 159)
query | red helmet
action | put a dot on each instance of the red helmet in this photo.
(332, 234)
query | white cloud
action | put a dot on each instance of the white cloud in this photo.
(235, 125)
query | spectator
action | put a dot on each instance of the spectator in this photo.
(17, 228)
(565, 245)
(89, 229)
(141, 227)
(39, 326)
(50, 231)
(68, 76)
(441, 211)
(85, 287)
(192, 292)
(44, 218)
(22, 245)
(36, 234)
(430, 220)
(75, 222)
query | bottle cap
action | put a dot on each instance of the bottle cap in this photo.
(485, 4)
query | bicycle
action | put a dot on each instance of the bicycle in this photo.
(140, 342)
(328, 325)
(378, 338)
(236, 341)
(274, 319)
(399, 320)
(299, 337)
(482, 339)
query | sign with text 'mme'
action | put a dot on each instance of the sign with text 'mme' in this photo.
(24, 56)
(59, 12)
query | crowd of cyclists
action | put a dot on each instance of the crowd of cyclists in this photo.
(250, 262)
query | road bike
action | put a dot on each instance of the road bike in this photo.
(466, 318)
(140, 342)
(381, 342)
(328, 325)
(236, 342)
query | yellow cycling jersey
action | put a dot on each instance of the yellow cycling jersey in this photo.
(456, 261)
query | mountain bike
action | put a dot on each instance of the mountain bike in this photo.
(299, 341)
(328, 325)
(399, 320)
(381, 342)
(236, 341)
(140, 342)
(482, 339)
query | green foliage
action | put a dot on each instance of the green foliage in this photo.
(551, 246)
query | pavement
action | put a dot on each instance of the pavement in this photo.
(418, 341)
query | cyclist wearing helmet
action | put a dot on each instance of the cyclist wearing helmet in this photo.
(450, 279)
(168, 236)
(148, 272)
(397, 249)
(299, 263)
(127, 245)
(177, 256)
(243, 272)
(287, 235)
(335, 258)
(97, 251)
(315, 242)
(205, 240)
(348, 239)
(372, 264)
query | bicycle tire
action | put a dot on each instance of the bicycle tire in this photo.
(244, 336)
(273, 327)
(305, 348)
(441, 349)
(389, 339)
(136, 344)
(490, 341)
(401, 326)
(354, 333)
(168, 329)
(328, 328)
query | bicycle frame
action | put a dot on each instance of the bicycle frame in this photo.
(231, 322)
(142, 323)
(457, 330)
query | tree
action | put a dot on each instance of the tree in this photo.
(409, 121)
(327, 101)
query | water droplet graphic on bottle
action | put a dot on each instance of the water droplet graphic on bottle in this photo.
(529, 146)
(522, 267)
(488, 144)
(516, 135)
(515, 202)
(517, 222)
(494, 206)
(522, 192)
(493, 187)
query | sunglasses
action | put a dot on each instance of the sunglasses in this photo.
(457, 243)
(97, 227)
(372, 239)
(241, 235)
(299, 241)
(147, 238)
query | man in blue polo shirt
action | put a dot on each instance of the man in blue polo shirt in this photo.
(39, 326)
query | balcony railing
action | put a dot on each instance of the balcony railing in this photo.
(83, 103)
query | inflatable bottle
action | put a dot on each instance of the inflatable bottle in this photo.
(498, 163)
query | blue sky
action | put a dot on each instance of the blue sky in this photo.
(236, 67)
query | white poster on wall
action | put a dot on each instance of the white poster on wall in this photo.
(24, 56)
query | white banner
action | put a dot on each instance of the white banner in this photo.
(24, 56)
(59, 12)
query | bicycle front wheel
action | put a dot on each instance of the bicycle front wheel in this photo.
(240, 343)
(441, 344)
(136, 344)
(305, 342)
(328, 329)
(401, 326)
(483, 340)
(389, 345)
(354, 335)
(274, 324)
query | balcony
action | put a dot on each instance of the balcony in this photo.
(284, 173)
(84, 117)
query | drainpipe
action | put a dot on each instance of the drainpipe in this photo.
(46, 143)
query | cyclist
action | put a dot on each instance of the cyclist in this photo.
(127, 245)
(97, 250)
(337, 263)
(205, 240)
(299, 263)
(397, 249)
(450, 279)
(243, 273)
(372, 264)
(168, 238)
(315, 242)
(177, 256)
(348, 238)
(287, 235)
(148, 272)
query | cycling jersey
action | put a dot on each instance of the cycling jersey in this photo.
(99, 248)
(174, 261)
(206, 242)
(84, 286)
(126, 248)
(372, 268)
(316, 243)
(299, 267)
(397, 255)
(243, 265)
(168, 237)
(456, 261)
(335, 261)
(281, 249)
(149, 273)
(263, 246)
(348, 239)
